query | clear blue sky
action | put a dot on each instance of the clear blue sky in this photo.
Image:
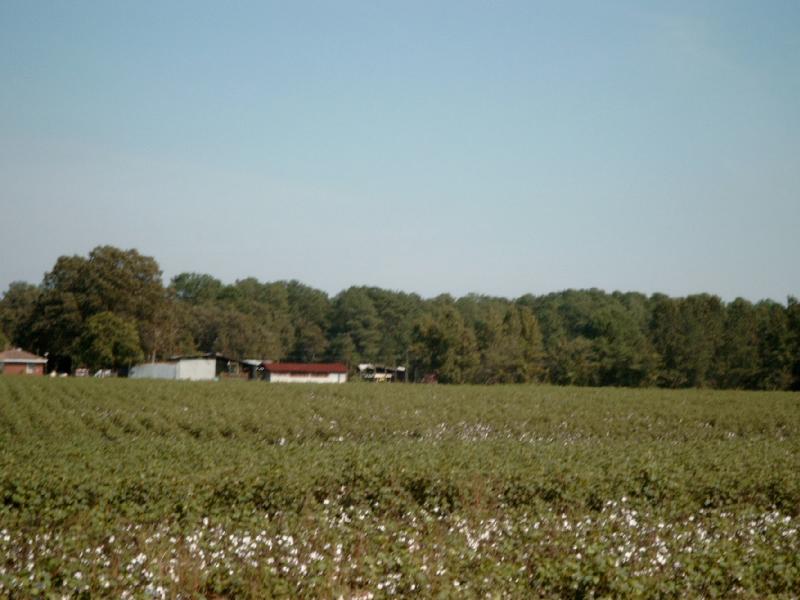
(493, 147)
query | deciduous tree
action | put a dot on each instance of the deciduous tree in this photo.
(109, 342)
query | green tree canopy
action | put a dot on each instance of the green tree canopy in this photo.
(738, 362)
(580, 337)
(774, 346)
(443, 345)
(793, 323)
(354, 316)
(109, 341)
(109, 280)
(508, 338)
(16, 310)
(310, 315)
(687, 335)
(196, 288)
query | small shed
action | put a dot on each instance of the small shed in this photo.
(20, 362)
(277, 372)
(251, 368)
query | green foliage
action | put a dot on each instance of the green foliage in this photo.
(687, 334)
(355, 318)
(196, 288)
(774, 346)
(793, 323)
(109, 280)
(310, 314)
(596, 339)
(738, 364)
(243, 489)
(16, 308)
(109, 342)
(444, 345)
(574, 337)
(508, 338)
(232, 333)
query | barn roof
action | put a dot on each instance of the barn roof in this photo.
(18, 355)
(288, 367)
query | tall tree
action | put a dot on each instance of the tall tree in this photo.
(793, 319)
(196, 288)
(109, 342)
(169, 332)
(513, 356)
(594, 338)
(686, 333)
(122, 282)
(738, 363)
(16, 309)
(223, 329)
(396, 312)
(354, 317)
(774, 346)
(310, 316)
(508, 338)
(572, 361)
(443, 345)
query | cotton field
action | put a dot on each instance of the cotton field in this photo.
(136, 489)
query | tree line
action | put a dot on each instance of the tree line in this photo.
(111, 309)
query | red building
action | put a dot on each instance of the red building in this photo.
(19, 362)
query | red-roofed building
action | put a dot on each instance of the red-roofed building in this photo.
(19, 362)
(277, 372)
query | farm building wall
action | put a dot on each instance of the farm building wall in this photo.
(22, 369)
(197, 369)
(154, 371)
(307, 377)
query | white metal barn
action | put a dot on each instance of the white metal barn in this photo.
(202, 368)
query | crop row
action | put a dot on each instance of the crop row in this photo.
(165, 489)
